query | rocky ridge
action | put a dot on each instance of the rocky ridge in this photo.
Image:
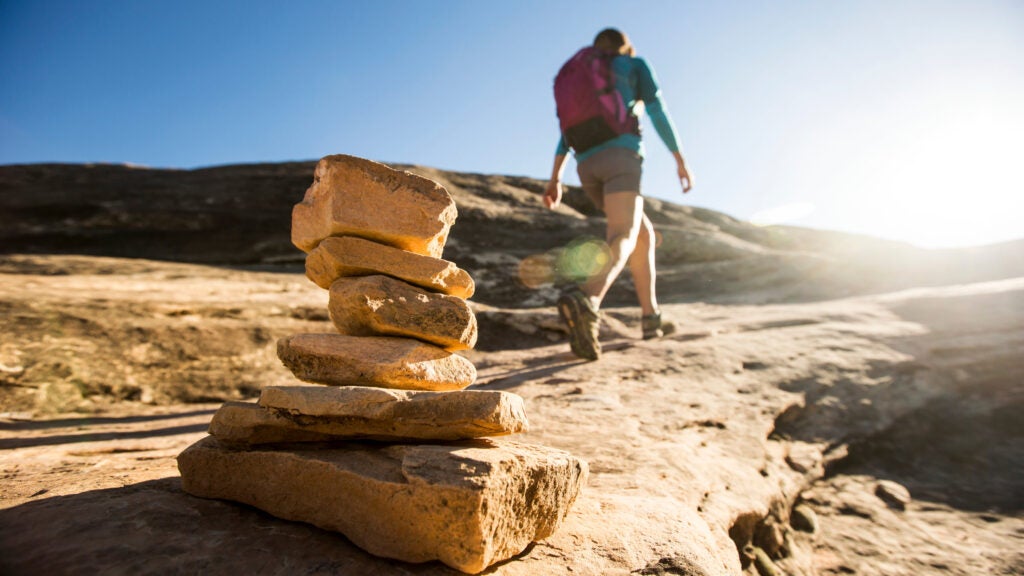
(238, 215)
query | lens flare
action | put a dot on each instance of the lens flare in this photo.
(579, 261)
(537, 270)
(582, 259)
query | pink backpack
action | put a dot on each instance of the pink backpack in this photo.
(590, 109)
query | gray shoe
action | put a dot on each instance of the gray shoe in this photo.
(584, 324)
(654, 326)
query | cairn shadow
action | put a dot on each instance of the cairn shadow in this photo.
(155, 528)
(514, 378)
(13, 443)
(17, 425)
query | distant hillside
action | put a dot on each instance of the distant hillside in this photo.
(240, 215)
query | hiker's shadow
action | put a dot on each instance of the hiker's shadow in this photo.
(536, 369)
(543, 367)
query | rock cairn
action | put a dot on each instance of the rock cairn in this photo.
(388, 448)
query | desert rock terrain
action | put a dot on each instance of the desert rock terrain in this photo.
(832, 404)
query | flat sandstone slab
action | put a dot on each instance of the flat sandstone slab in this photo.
(383, 306)
(248, 423)
(351, 196)
(321, 413)
(382, 362)
(338, 257)
(468, 504)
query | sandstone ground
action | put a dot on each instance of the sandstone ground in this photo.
(832, 404)
(696, 442)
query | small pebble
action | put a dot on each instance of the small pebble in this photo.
(804, 519)
(895, 495)
(764, 564)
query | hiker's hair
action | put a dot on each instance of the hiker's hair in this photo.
(614, 41)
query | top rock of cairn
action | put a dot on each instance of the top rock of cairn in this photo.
(346, 197)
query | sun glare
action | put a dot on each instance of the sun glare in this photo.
(785, 214)
(933, 169)
(957, 182)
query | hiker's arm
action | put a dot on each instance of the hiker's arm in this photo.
(650, 93)
(663, 124)
(553, 194)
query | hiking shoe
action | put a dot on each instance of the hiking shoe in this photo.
(654, 326)
(584, 324)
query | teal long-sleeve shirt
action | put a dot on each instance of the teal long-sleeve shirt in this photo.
(635, 80)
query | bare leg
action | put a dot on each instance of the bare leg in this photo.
(625, 212)
(641, 266)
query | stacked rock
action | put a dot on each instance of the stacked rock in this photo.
(388, 448)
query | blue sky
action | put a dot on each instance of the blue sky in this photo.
(899, 119)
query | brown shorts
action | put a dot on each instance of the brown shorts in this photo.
(609, 171)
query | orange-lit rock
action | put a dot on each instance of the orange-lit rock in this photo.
(319, 413)
(339, 360)
(468, 504)
(248, 423)
(355, 197)
(339, 257)
(383, 306)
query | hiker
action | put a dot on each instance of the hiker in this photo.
(609, 155)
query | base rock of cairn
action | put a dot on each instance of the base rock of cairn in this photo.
(468, 504)
(387, 448)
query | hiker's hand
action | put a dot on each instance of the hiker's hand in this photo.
(684, 177)
(553, 195)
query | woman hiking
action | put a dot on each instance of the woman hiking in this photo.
(610, 174)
